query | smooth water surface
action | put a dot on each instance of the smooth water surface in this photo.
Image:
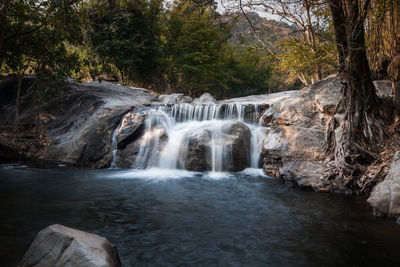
(161, 217)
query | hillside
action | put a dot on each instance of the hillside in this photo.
(269, 31)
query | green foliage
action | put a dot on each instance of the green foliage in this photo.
(36, 38)
(184, 48)
(194, 51)
(198, 57)
(250, 72)
(127, 36)
(300, 59)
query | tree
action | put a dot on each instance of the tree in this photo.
(363, 128)
(36, 38)
(195, 42)
(309, 18)
(128, 36)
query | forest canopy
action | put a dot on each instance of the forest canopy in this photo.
(188, 46)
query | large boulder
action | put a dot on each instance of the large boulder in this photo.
(232, 138)
(385, 196)
(57, 245)
(80, 122)
(198, 151)
(294, 147)
(237, 146)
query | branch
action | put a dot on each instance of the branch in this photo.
(253, 28)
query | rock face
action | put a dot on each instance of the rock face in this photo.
(385, 196)
(293, 149)
(58, 245)
(80, 123)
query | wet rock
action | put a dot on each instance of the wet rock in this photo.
(385, 196)
(198, 153)
(58, 245)
(175, 99)
(131, 127)
(186, 99)
(171, 99)
(205, 98)
(81, 123)
(233, 139)
(237, 145)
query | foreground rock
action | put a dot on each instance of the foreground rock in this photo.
(58, 245)
(385, 196)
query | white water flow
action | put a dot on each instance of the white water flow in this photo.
(114, 143)
(185, 135)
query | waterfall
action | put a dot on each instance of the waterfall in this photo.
(199, 137)
(114, 144)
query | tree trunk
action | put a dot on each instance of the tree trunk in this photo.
(362, 129)
(5, 6)
(17, 101)
(396, 86)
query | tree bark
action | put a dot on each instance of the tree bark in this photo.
(363, 129)
(17, 101)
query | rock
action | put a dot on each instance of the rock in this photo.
(237, 145)
(233, 139)
(383, 87)
(198, 153)
(57, 245)
(295, 140)
(171, 99)
(261, 100)
(326, 94)
(80, 124)
(295, 143)
(186, 99)
(131, 127)
(267, 117)
(385, 196)
(205, 98)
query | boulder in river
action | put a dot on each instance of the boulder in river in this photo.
(198, 153)
(233, 141)
(385, 196)
(58, 245)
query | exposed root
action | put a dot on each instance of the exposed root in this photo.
(356, 150)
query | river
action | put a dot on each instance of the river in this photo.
(172, 217)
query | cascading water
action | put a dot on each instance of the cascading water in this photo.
(214, 137)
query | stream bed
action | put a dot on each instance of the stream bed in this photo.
(172, 217)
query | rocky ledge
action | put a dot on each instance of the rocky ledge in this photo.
(80, 121)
